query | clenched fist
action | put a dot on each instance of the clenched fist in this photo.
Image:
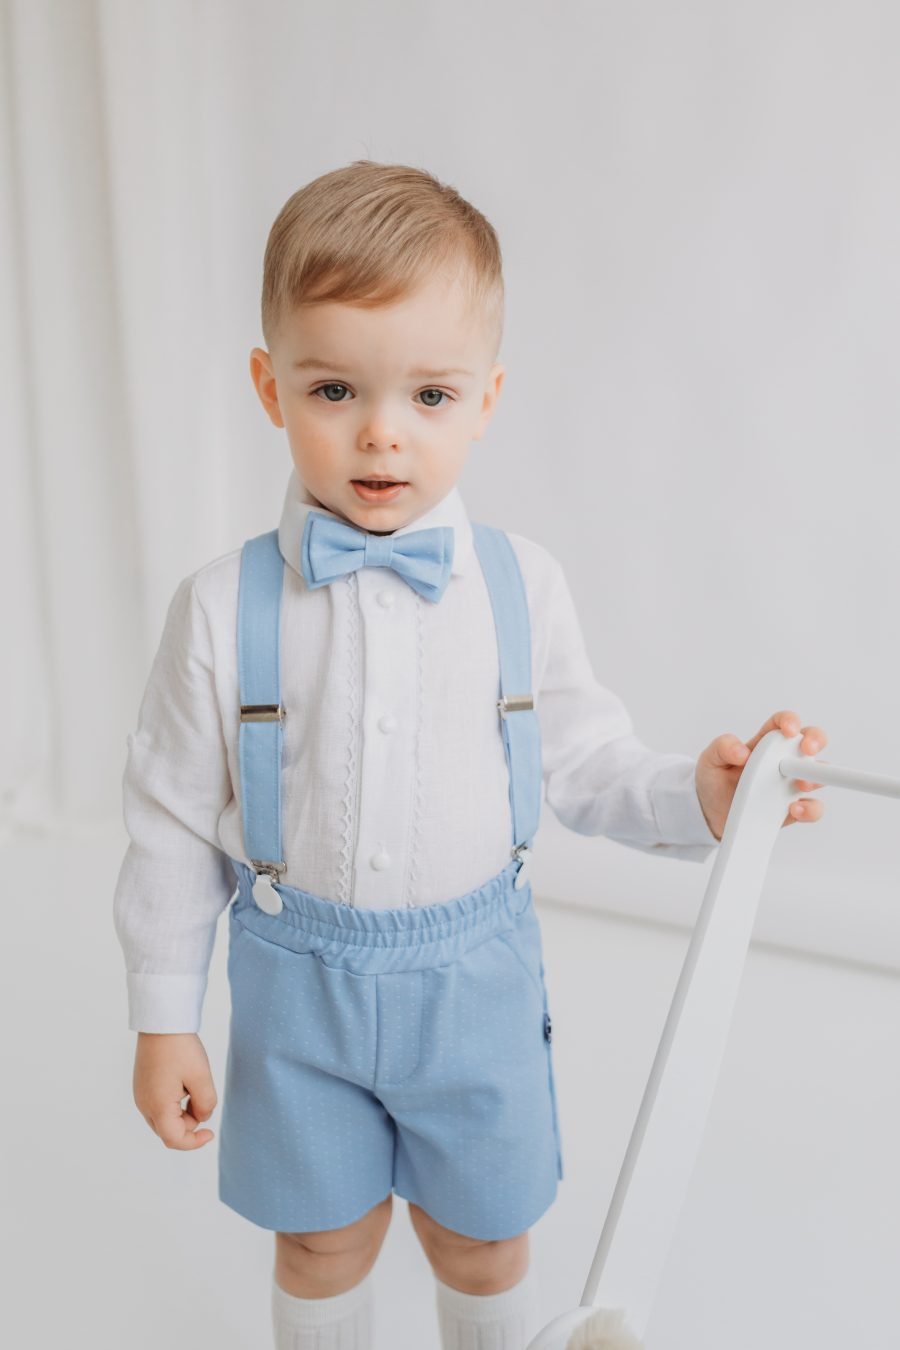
(168, 1067)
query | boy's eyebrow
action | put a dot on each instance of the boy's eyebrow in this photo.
(315, 363)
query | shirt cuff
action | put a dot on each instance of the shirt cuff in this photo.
(165, 1003)
(679, 815)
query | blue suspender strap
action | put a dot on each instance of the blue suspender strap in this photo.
(261, 731)
(518, 720)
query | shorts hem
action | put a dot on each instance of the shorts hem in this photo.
(304, 1227)
(482, 1235)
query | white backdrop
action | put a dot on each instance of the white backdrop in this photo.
(698, 208)
(698, 205)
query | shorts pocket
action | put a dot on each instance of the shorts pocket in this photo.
(547, 1031)
(270, 930)
(235, 929)
(256, 961)
(524, 942)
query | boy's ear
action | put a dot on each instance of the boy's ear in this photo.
(489, 400)
(263, 378)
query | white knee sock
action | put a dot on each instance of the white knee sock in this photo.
(503, 1321)
(341, 1322)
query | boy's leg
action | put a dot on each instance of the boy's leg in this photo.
(322, 1293)
(319, 1265)
(472, 1265)
(485, 1292)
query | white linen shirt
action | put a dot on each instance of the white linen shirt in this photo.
(395, 788)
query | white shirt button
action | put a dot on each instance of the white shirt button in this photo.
(385, 599)
(387, 722)
(380, 860)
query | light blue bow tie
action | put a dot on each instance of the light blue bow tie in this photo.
(331, 548)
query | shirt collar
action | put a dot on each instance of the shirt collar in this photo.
(299, 501)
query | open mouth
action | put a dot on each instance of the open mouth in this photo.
(378, 489)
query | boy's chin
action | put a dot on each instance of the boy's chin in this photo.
(363, 521)
(378, 521)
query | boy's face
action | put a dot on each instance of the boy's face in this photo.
(347, 384)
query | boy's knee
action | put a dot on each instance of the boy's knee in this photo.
(473, 1265)
(319, 1264)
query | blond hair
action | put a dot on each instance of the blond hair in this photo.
(370, 234)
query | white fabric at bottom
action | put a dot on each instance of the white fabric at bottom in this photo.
(503, 1321)
(341, 1322)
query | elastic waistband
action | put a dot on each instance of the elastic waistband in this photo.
(381, 940)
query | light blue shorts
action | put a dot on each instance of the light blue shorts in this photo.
(403, 1049)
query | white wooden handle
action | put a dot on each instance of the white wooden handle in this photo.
(653, 1180)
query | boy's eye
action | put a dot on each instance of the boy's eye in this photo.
(335, 385)
(330, 386)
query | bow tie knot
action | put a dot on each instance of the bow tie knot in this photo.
(379, 550)
(332, 548)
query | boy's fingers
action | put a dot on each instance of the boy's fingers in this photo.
(726, 750)
(184, 1140)
(807, 810)
(193, 1136)
(203, 1101)
(177, 1131)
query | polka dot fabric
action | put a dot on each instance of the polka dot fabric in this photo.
(402, 1049)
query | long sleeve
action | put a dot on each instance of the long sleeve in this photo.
(175, 880)
(600, 779)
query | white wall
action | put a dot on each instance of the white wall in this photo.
(698, 209)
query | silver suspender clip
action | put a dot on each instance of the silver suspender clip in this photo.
(524, 854)
(263, 712)
(264, 893)
(510, 703)
(514, 703)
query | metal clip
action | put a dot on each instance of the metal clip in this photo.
(264, 892)
(514, 703)
(274, 869)
(524, 854)
(263, 712)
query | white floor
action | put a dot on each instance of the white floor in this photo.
(790, 1237)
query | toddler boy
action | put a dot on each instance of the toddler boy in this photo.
(346, 732)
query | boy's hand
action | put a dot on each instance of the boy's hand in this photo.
(166, 1068)
(721, 764)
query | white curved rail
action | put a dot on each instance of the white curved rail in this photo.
(653, 1180)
